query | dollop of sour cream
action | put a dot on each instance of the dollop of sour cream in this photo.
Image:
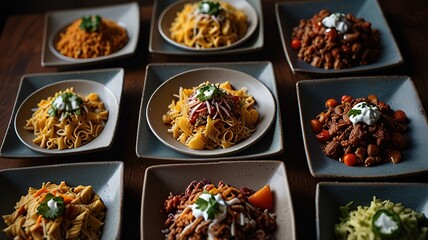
(387, 224)
(52, 204)
(219, 216)
(365, 113)
(60, 103)
(338, 21)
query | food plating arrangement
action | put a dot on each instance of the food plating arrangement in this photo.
(181, 119)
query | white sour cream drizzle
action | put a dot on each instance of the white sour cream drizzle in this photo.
(338, 21)
(218, 217)
(205, 7)
(367, 113)
(52, 204)
(386, 223)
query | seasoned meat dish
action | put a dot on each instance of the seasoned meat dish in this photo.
(361, 131)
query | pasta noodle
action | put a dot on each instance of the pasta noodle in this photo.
(220, 120)
(232, 216)
(77, 42)
(194, 27)
(70, 129)
(79, 216)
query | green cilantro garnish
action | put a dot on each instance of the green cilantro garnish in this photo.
(66, 104)
(208, 7)
(354, 112)
(208, 92)
(51, 213)
(91, 23)
(211, 206)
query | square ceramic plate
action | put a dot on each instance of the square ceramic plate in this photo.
(289, 13)
(331, 196)
(397, 91)
(126, 15)
(161, 180)
(158, 44)
(149, 146)
(110, 78)
(106, 178)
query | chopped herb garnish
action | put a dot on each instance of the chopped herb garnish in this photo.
(52, 207)
(91, 23)
(354, 112)
(211, 206)
(209, 7)
(208, 92)
(344, 210)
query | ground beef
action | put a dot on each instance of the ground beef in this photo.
(330, 49)
(370, 144)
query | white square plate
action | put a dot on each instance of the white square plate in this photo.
(330, 196)
(161, 180)
(149, 146)
(127, 15)
(397, 91)
(289, 13)
(106, 178)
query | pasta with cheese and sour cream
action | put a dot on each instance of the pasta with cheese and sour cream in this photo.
(207, 211)
(67, 120)
(212, 116)
(57, 212)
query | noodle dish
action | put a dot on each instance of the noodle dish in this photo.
(207, 25)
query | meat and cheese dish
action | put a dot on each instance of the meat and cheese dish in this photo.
(361, 131)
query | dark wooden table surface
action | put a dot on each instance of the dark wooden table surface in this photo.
(20, 53)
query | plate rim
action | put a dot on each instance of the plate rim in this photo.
(142, 124)
(314, 70)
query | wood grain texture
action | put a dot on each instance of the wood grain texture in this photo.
(20, 53)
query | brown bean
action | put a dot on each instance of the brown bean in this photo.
(356, 47)
(317, 61)
(351, 37)
(398, 140)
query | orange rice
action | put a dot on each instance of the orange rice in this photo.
(78, 43)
